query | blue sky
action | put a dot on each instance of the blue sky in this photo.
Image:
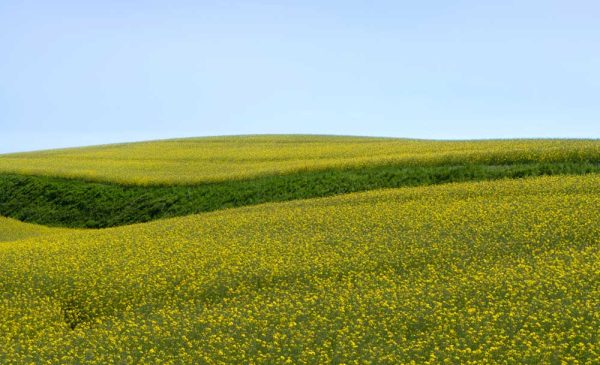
(89, 72)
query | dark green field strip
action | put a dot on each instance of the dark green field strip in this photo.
(74, 203)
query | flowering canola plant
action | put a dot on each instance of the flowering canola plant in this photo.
(489, 272)
(213, 159)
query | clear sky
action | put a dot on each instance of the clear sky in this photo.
(89, 72)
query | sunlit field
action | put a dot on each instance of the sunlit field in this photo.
(504, 271)
(188, 161)
(451, 216)
(302, 249)
(11, 230)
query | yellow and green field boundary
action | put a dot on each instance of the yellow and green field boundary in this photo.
(112, 185)
(478, 272)
(447, 268)
(75, 203)
(216, 159)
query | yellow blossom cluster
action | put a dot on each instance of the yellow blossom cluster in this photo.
(490, 272)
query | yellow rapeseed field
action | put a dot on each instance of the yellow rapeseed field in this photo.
(471, 273)
(186, 161)
(11, 230)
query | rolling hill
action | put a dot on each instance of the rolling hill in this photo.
(214, 159)
(113, 185)
(473, 272)
(307, 267)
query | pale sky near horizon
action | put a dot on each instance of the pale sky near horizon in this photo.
(91, 72)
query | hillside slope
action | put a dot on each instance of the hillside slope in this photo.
(210, 159)
(140, 182)
(11, 230)
(503, 271)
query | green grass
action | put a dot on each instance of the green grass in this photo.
(75, 203)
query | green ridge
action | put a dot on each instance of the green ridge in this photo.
(75, 203)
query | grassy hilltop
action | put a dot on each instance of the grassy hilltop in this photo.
(210, 159)
(435, 268)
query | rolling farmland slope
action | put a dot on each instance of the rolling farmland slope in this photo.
(213, 159)
(503, 271)
(113, 185)
(292, 260)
